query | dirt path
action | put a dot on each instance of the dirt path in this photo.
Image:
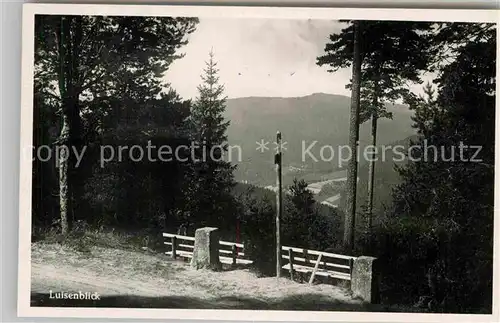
(66, 278)
(134, 278)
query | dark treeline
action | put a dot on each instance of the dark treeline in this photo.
(98, 83)
(98, 86)
(435, 235)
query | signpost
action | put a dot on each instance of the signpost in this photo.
(279, 204)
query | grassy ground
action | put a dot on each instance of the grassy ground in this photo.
(125, 276)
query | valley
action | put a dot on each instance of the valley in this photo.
(315, 129)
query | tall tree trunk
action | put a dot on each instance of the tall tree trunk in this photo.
(371, 176)
(68, 51)
(371, 165)
(64, 184)
(62, 39)
(352, 167)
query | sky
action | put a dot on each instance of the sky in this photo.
(260, 57)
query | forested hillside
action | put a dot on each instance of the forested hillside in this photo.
(321, 118)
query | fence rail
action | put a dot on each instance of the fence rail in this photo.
(183, 246)
(316, 262)
(313, 262)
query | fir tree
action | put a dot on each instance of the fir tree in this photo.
(209, 191)
(300, 213)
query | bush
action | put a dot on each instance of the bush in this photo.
(258, 233)
(304, 224)
(425, 258)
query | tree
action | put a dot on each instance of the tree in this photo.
(44, 174)
(307, 223)
(209, 191)
(341, 53)
(78, 57)
(446, 196)
(135, 192)
(352, 170)
(391, 54)
(256, 214)
(299, 215)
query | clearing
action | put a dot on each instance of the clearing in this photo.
(128, 278)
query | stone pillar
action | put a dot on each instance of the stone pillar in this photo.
(365, 279)
(206, 249)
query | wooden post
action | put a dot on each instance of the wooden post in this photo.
(290, 257)
(351, 263)
(306, 259)
(279, 204)
(315, 269)
(174, 247)
(235, 253)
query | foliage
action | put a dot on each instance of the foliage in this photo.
(210, 179)
(98, 80)
(298, 214)
(442, 216)
(257, 216)
(392, 53)
(305, 223)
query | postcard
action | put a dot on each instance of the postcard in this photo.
(258, 163)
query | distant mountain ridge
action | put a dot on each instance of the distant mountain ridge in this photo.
(318, 121)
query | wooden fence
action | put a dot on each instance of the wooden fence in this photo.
(313, 262)
(182, 246)
(317, 263)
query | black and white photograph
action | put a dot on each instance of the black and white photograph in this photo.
(299, 163)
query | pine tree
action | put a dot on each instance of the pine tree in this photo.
(390, 54)
(300, 213)
(344, 50)
(209, 191)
